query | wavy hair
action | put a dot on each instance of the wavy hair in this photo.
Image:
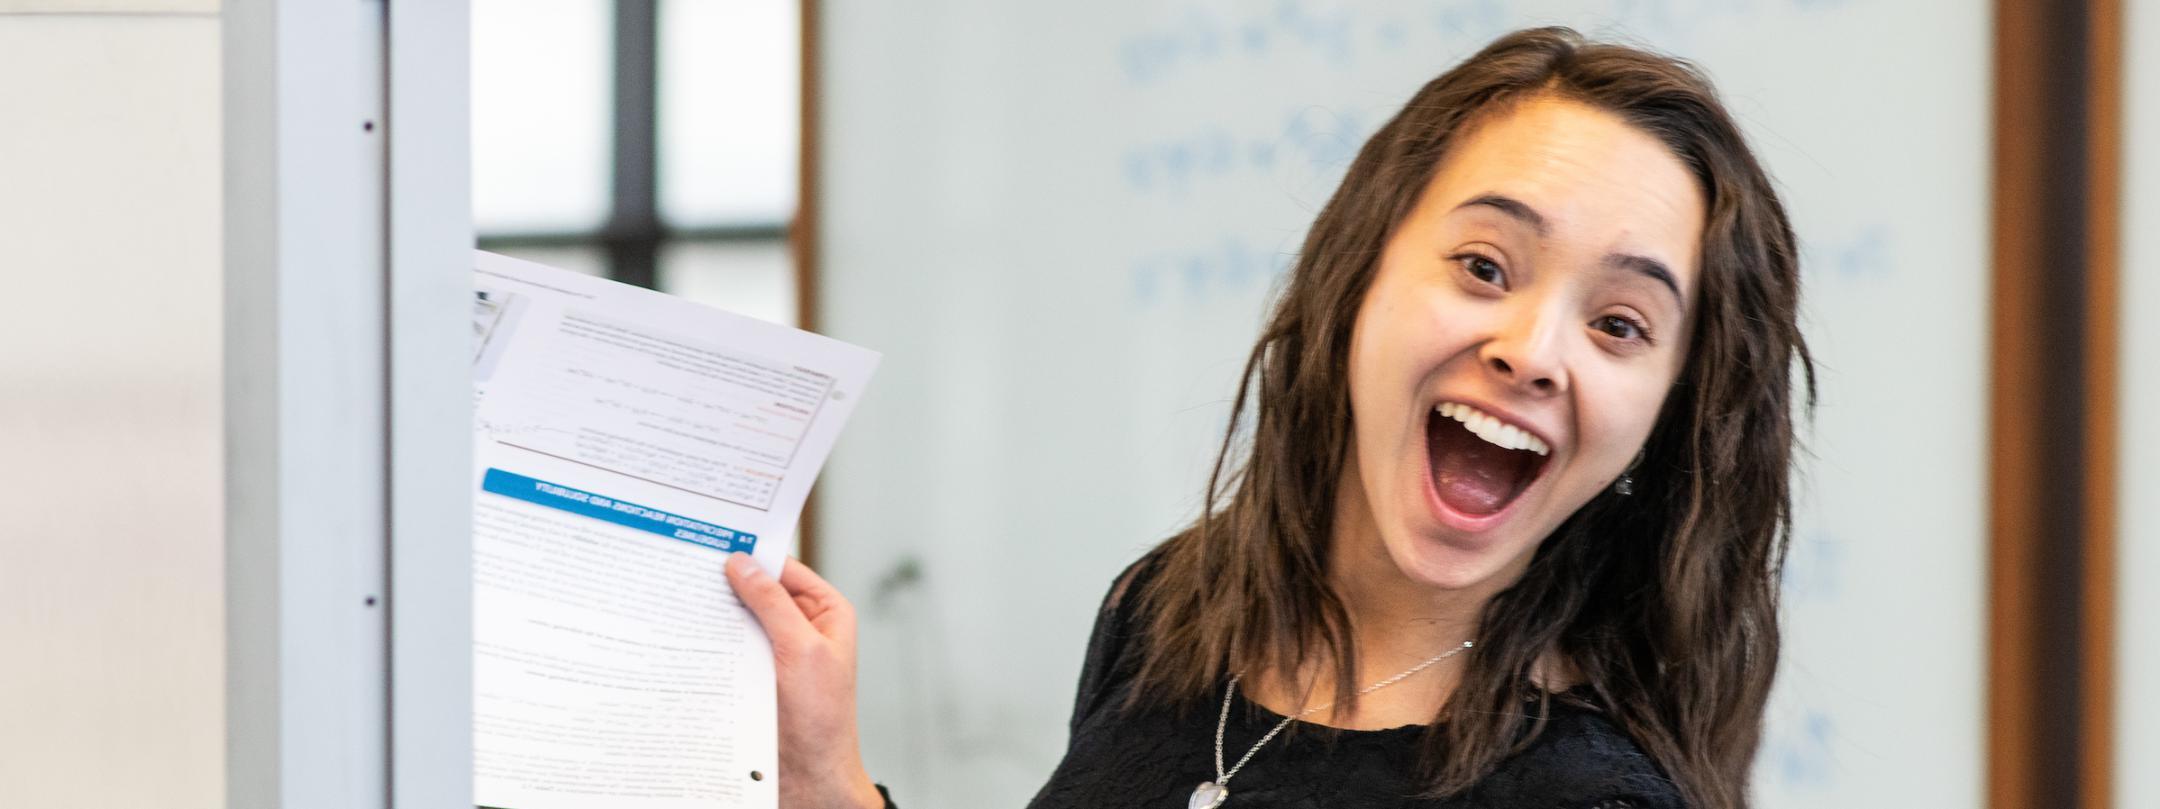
(1664, 602)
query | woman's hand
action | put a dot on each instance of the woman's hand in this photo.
(813, 638)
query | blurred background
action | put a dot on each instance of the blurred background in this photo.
(656, 142)
(1062, 224)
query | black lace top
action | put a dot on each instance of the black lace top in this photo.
(1152, 759)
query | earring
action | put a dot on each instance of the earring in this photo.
(1625, 486)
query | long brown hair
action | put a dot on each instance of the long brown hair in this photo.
(1665, 602)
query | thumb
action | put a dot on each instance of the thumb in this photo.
(770, 602)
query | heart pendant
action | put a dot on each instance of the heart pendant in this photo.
(1208, 795)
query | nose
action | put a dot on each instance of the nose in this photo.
(1525, 353)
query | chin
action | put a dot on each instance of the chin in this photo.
(1450, 560)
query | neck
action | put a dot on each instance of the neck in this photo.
(1393, 616)
(1396, 622)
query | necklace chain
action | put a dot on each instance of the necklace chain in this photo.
(1222, 777)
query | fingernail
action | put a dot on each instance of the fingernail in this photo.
(743, 565)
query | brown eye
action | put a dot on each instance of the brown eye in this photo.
(1483, 269)
(1620, 327)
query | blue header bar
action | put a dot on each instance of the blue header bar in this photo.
(577, 501)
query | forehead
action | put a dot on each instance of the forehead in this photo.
(1599, 181)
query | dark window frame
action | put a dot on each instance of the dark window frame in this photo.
(634, 233)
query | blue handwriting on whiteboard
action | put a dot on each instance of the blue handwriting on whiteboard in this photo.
(1799, 753)
(1865, 255)
(1194, 35)
(1322, 141)
(1228, 267)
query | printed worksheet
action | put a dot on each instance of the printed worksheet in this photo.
(626, 442)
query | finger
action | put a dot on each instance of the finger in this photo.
(800, 580)
(828, 610)
(766, 599)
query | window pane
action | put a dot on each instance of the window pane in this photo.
(587, 259)
(729, 96)
(755, 278)
(542, 74)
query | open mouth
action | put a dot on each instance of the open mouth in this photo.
(1479, 464)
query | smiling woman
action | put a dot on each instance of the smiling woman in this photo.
(1519, 436)
(1523, 295)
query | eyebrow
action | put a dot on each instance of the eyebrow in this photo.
(1514, 208)
(1650, 267)
(1518, 210)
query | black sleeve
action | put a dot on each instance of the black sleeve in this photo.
(887, 796)
(1661, 799)
(1580, 760)
(1106, 650)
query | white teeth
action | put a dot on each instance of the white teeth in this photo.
(1492, 429)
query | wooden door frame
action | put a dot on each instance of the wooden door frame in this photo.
(2056, 250)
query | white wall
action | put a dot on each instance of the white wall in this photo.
(111, 603)
(2137, 592)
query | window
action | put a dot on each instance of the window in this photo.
(655, 142)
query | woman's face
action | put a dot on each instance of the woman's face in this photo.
(1519, 337)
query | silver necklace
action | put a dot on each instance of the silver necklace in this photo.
(1211, 794)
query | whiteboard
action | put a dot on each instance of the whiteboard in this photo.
(1061, 222)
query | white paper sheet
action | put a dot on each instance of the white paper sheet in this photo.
(627, 441)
